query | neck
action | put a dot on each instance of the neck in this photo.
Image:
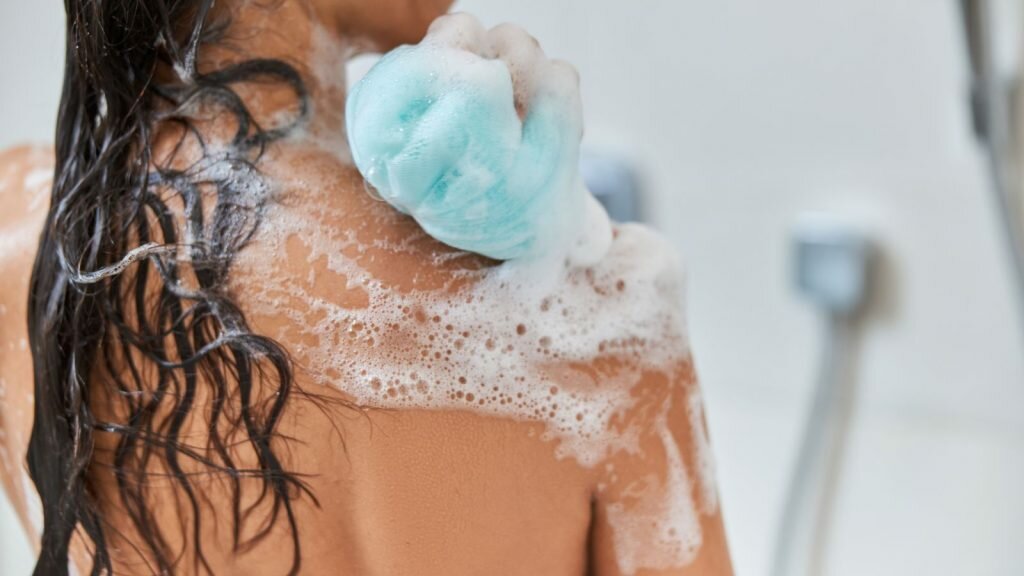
(292, 32)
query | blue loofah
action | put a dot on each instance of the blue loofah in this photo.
(435, 130)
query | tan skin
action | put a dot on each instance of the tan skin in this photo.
(416, 492)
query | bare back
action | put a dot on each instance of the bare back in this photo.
(428, 489)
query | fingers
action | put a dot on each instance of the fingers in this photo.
(524, 58)
(533, 75)
(561, 80)
(460, 31)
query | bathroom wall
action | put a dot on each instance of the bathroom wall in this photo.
(742, 115)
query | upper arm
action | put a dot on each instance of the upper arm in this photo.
(656, 507)
(25, 180)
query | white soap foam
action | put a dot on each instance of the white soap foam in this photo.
(502, 346)
(705, 462)
(658, 528)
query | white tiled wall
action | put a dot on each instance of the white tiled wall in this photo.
(742, 114)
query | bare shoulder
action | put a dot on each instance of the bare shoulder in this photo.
(22, 167)
(29, 155)
(323, 225)
(26, 174)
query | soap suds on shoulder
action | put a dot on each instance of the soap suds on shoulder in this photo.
(517, 340)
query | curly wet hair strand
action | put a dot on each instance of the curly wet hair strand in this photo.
(129, 300)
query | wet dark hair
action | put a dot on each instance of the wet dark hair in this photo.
(129, 301)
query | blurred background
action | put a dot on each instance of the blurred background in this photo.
(739, 118)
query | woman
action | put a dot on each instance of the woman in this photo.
(238, 361)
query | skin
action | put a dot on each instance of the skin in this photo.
(416, 492)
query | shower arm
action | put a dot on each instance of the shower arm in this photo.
(992, 116)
